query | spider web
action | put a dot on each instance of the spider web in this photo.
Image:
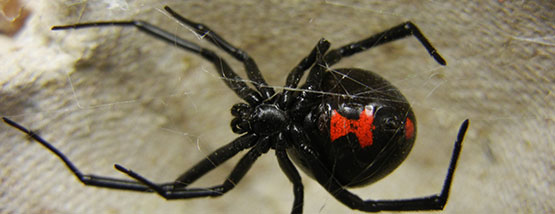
(114, 95)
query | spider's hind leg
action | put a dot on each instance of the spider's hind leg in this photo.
(432, 202)
(398, 32)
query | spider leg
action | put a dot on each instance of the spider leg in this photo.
(215, 159)
(393, 34)
(292, 174)
(87, 179)
(262, 146)
(314, 79)
(250, 65)
(433, 202)
(313, 83)
(212, 161)
(233, 81)
(296, 74)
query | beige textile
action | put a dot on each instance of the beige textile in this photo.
(114, 95)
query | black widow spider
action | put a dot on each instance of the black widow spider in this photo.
(344, 127)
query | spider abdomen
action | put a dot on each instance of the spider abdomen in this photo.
(363, 128)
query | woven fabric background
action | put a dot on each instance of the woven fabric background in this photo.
(112, 95)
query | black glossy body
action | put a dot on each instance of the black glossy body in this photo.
(344, 127)
(351, 164)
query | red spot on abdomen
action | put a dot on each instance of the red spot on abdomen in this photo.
(362, 128)
(409, 129)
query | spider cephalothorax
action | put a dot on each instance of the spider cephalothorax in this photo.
(344, 127)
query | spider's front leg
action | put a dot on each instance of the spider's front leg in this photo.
(212, 161)
(181, 192)
(251, 68)
(233, 81)
(87, 179)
